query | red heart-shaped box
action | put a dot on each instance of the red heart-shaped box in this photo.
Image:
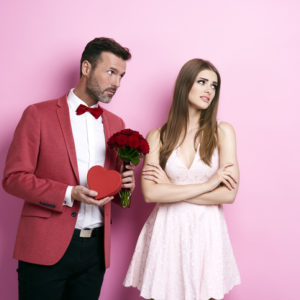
(105, 182)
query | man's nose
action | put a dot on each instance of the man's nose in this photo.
(116, 81)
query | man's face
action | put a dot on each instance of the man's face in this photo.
(104, 80)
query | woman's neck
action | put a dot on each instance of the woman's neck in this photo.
(194, 117)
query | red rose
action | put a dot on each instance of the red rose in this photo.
(144, 147)
(128, 132)
(112, 141)
(133, 141)
(121, 140)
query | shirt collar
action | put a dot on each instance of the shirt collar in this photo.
(75, 101)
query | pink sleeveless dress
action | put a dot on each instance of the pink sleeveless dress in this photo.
(183, 251)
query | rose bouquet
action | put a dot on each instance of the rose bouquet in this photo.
(131, 147)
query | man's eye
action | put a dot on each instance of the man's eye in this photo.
(110, 72)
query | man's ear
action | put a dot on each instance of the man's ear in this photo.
(86, 68)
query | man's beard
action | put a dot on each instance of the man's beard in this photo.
(96, 93)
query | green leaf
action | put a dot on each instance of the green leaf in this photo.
(128, 154)
(135, 161)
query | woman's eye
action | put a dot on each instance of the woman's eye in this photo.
(201, 82)
(110, 72)
(214, 86)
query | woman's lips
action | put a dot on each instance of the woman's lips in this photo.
(205, 99)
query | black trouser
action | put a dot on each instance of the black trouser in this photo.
(77, 276)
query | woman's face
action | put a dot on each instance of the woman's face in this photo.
(203, 90)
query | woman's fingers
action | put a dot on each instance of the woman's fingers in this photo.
(151, 178)
(154, 173)
(229, 180)
(150, 172)
(227, 165)
(225, 182)
(231, 176)
(156, 166)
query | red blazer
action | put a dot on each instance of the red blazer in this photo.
(41, 163)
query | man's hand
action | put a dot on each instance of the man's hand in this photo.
(83, 194)
(128, 180)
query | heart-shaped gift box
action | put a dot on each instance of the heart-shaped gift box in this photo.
(105, 182)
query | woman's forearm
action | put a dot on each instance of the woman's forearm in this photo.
(168, 192)
(220, 195)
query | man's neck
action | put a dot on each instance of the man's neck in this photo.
(81, 93)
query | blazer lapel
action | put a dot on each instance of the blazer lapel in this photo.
(107, 135)
(65, 124)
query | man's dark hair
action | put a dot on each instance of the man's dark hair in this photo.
(98, 45)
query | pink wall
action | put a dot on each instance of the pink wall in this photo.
(255, 44)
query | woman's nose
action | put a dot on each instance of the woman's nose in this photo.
(208, 89)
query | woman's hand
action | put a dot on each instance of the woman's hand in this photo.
(155, 173)
(223, 176)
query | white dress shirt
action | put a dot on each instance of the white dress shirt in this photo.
(89, 139)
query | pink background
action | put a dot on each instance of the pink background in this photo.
(255, 44)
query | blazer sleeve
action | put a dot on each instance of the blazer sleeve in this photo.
(19, 177)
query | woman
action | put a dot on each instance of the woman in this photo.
(183, 251)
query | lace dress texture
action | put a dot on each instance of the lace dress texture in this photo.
(183, 251)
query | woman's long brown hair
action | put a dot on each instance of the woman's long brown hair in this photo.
(171, 131)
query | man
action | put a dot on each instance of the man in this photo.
(63, 239)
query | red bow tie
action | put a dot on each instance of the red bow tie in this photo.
(96, 112)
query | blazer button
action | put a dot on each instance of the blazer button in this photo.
(73, 214)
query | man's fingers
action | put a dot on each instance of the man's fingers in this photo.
(127, 180)
(92, 193)
(128, 173)
(82, 190)
(130, 167)
(101, 202)
(128, 185)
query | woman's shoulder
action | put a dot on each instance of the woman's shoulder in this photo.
(225, 129)
(154, 135)
(153, 138)
(224, 126)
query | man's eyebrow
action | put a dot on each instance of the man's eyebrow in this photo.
(116, 70)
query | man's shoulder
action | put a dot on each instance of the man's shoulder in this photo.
(50, 103)
(46, 108)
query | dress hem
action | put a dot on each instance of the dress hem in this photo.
(150, 297)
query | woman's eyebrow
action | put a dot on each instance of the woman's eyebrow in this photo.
(205, 79)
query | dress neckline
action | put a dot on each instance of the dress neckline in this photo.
(182, 161)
